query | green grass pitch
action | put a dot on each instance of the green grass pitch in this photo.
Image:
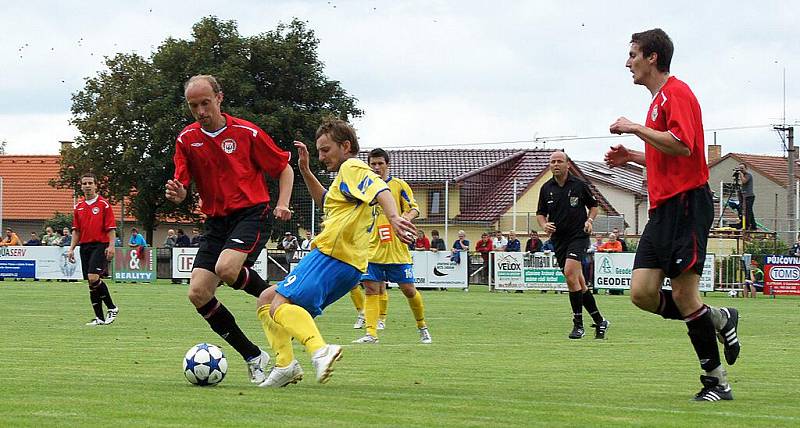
(496, 360)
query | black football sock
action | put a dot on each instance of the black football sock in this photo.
(105, 295)
(591, 306)
(97, 303)
(667, 307)
(222, 322)
(704, 338)
(576, 301)
(250, 282)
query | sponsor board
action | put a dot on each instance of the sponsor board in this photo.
(132, 265)
(43, 262)
(525, 271)
(183, 261)
(782, 275)
(613, 271)
(436, 270)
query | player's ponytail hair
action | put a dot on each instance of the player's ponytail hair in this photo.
(339, 131)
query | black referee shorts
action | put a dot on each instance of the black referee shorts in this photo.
(93, 258)
(570, 248)
(246, 230)
(676, 236)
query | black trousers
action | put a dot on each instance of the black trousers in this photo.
(750, 217)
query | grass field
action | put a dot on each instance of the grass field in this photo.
(497, 360)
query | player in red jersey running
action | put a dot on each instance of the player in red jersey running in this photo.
(227, 158)
(673, 243)
(93, 228)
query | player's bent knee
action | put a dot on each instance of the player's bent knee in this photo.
(227, 272)
(199, 296)
(408, 290)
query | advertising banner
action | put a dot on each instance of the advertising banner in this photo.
(613, 271)
(782, 275)
(525, 271)
(436, 270)
(183, 260)
(45, 262)
(132, 265)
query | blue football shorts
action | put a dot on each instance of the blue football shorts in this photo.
(317, 281)
(391, 272)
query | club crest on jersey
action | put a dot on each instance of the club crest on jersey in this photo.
(95, 210)
(228, 145)
(573, 201)
(654, 113)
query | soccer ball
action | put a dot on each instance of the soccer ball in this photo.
(205, 365)
(733, 293)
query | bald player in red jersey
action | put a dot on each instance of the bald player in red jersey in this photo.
(93, 228)
(673, 243)
(227, 158)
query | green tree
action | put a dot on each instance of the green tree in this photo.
(59, 221)
(130, 113)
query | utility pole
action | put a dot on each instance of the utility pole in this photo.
(791, 154)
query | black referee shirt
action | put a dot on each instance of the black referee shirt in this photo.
(566, 206)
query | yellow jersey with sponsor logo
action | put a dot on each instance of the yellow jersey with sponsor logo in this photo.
(349, 218)
(386, 247)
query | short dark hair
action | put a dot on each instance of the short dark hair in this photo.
(435, 232)
(89, 175)
(379, 153)
(339, 131)
(655, 40)
(179, 232)
(133, 229)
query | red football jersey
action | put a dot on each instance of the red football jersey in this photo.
(675, 109)
(93, 220)
(228, 165)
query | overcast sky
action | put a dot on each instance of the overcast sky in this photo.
(440, 73)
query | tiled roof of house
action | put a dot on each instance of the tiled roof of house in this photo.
(629, 177)
(774, 168)
(27, 194)
(485, 176)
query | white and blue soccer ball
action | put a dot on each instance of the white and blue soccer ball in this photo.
(205, 365)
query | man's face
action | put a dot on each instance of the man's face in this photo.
(331, 154)
(461, 236)
(134, 233)
(204, 103)
(308, 235)
(195, 231)
(49, 230)
(379, 166)
(498, 234)
(485, 237)
(512, 235)
(420, 234)
(9, 232)
(89, 187)
(66, 231)
(558, 164)
(640, 67)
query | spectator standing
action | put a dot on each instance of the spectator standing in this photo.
(66, 238)
(50, 237)
(621, 238)
(437, 244)
(290, 246)
(513, 243)
(34, 241)
(197, 238)
(534, 244)
(306, 244)
(613, 245)
(499, 241)
(170, 240)
(137, 242)
(11, 239)
(747, 196)
(461, 244)
(422, 243)
(181, 240)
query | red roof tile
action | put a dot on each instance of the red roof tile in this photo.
(27, 194)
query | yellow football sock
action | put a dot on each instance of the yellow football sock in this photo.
(357, 296)
(371, 314)
(298, 322)
(279, 339)
(384, 305)
(418, 308)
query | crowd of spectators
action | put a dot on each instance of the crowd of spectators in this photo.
(48, 238)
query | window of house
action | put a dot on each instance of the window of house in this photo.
(435, 205)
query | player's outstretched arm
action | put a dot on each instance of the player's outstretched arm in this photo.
(285, 184)
(405, 230)
(175, 191)
(315, 188)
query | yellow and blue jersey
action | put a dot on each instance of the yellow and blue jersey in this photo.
(349, 218)
(386, 247)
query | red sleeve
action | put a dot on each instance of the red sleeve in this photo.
(427, 243)
(75, 219)
(181, 169)
(680, 119)
(110, 222)
(268, 156)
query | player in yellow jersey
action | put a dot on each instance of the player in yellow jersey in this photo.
(338, 255)
(390, 258)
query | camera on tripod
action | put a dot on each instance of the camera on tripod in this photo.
(737, 174)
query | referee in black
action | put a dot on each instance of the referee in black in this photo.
(563, 204)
